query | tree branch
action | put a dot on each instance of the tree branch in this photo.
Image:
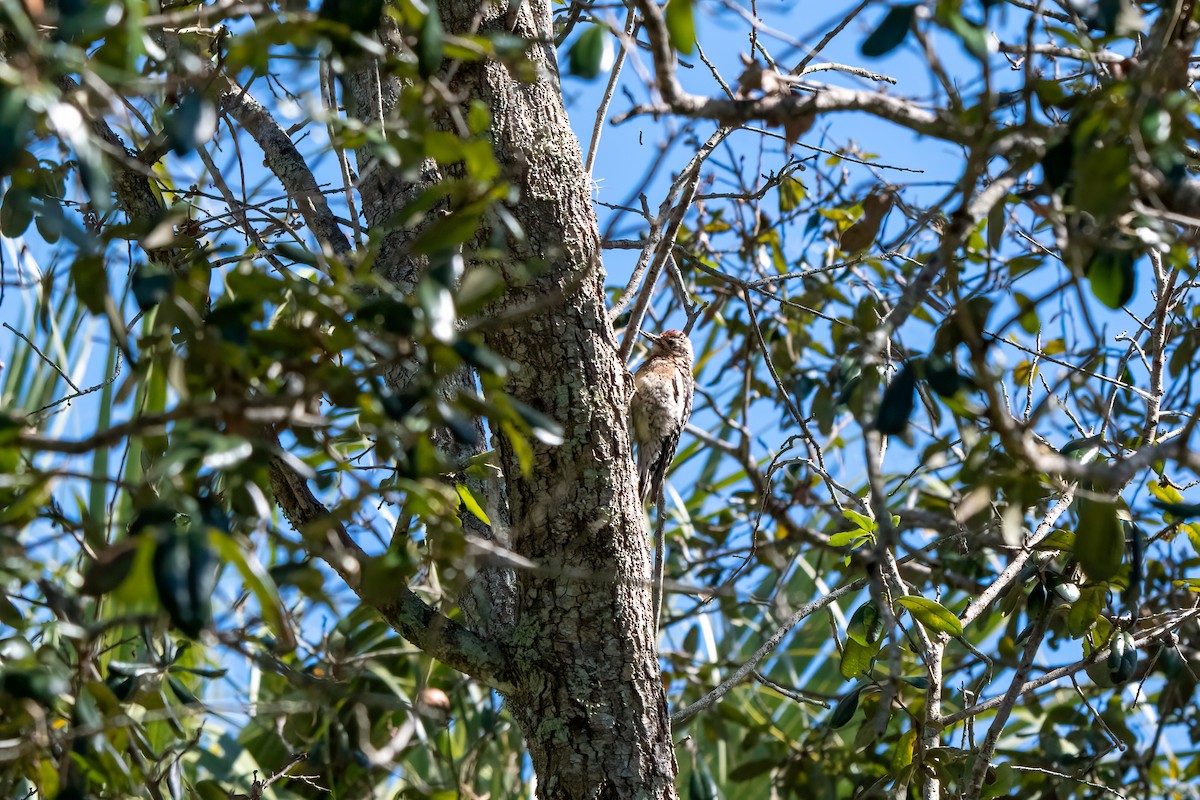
(289, 166)
(436, 634)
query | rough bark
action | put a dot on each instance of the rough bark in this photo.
(588, 694)
(370, 93)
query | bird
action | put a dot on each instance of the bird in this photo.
(661, 405)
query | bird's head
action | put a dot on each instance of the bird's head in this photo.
(673, 343)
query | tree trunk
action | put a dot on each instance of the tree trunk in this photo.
(589, 695)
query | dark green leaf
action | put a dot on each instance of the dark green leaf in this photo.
(995, 225)
(866, 626)
(393, 316)
(15, 122)
(461, 427)
(360, 16)
(942, 375)
(857, 658)
(398, 405)
(91, 281)
(181, 692)
(1099, 540)
(1057, 163)
(897, 404)
(431, 45)
(185, 574)
(16, 211)
(109, 569)
(41, 685)
(752, 769)
(211, 790)
(586, 57)
(151, 284)
(151, 517)
(843, 712)
(891, 32)
(1112, 276)
(701, 785)
(93, 174)
(1102, 177)
(1181, 511)
(191, 123)
(545, 430)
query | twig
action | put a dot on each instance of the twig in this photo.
(45, 358)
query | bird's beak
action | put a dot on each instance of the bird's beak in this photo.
(649, 336)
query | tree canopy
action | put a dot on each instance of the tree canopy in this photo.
(318, 328)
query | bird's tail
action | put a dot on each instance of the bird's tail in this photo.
(645, 463)
(653, 468)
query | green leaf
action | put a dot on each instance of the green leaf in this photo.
(1112, 276)
(471, 502)
(544, 429)
(701, 784)
(15, 122)
(360, 16)
(791, 194)
(151, 284)
(903, 756)
(681, 26)
(110, 568)
(861, 520)
(261, 585)
(941, 374)
(1181, 511)
(843, 712)
(1086, 610)
(854, 538)
(190, 123)
(996, 220)
(866, 626)
(90, 280)
(1084, 449)
(586, 57)
(857, 658)
(185, 574)
(1099, 540)
(1058, 162)
(752, 769)
(181, 691)
(931, 614)
(431, 44)
(1029, 316)
(891, 32)
(899, 400)
(1102, 177)
(974, 37)
(93, 174)
(16, 211)
(211, 790)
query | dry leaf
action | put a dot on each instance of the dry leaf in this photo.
(861, 235)
(796, 127)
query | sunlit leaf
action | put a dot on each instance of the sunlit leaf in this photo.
(932, 614)
(681, 25)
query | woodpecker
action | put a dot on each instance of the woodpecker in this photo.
(661, 405)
